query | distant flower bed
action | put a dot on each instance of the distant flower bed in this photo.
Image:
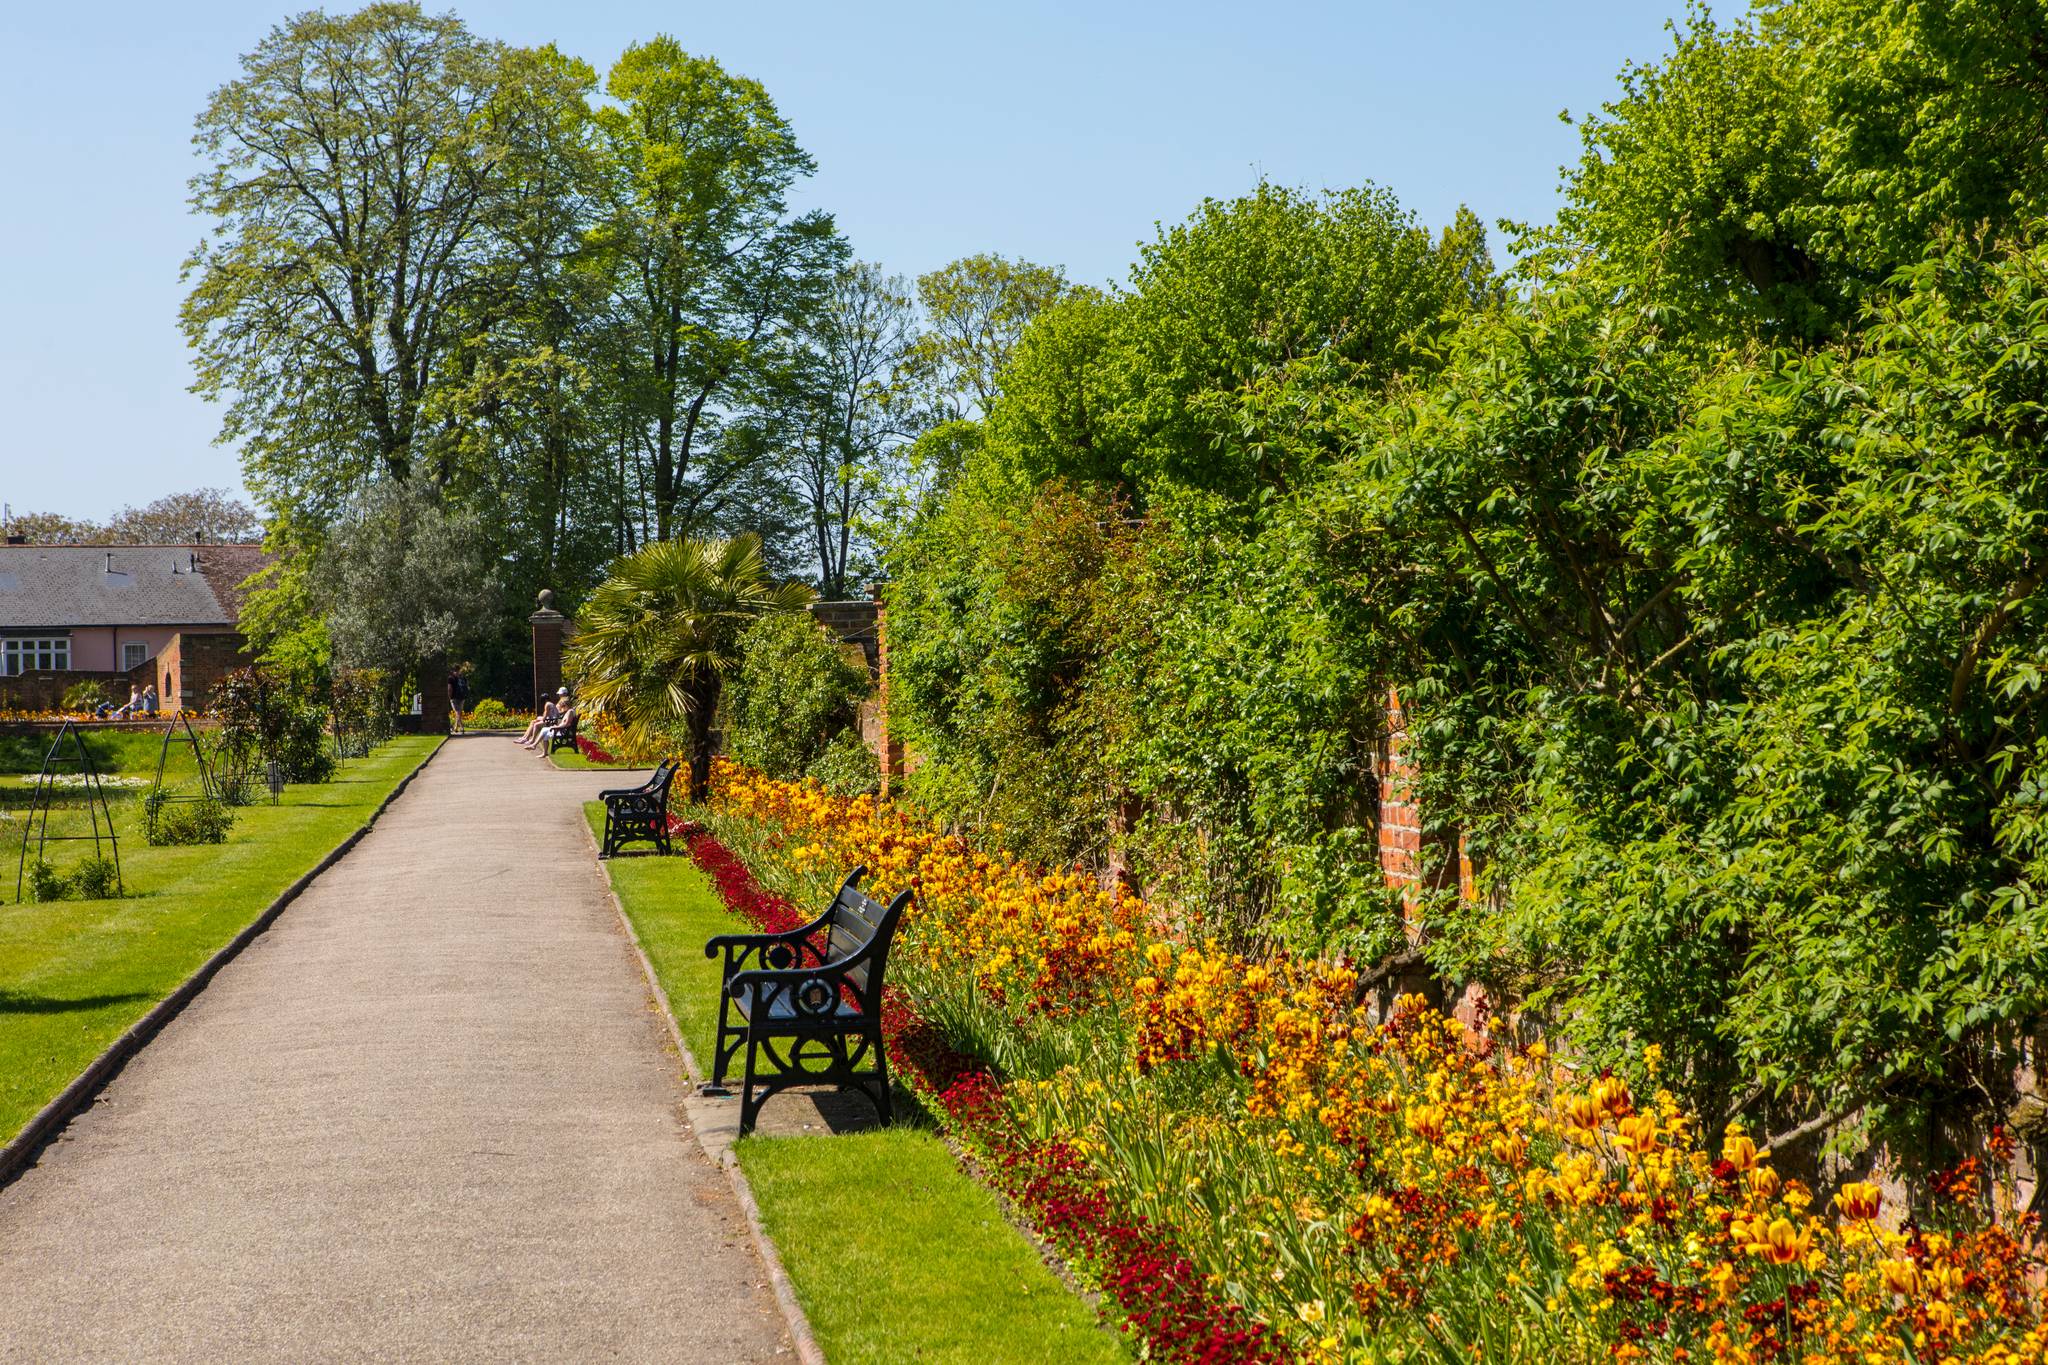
(80, 779)
(1254, 1171)
(492, 714)
(18, 717)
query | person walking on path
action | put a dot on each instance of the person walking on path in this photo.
(458, 697)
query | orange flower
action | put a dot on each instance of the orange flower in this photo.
(1781, 1243)
(1738, 1151)
(1637, 1134)
(1859, 1201)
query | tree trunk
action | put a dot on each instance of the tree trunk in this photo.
(700, 743)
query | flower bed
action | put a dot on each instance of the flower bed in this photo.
(1229, 1144)
(1165, 1300)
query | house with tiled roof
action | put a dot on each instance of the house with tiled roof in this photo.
(120, 615)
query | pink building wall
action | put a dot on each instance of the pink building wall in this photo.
(98, 648)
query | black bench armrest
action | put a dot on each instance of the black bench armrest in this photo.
(652, 785)
(740, 948)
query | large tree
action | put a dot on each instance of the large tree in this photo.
(401, 580)
(522, 392)
(348, 195)
(857, 411)
(205, 516)
(975, 311)
(711, 271)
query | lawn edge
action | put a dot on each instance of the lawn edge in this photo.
(21, 1151)
(805, 1341)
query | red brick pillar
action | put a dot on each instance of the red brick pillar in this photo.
(548, 627)
(1400, 821)
(890, 752)
(434, 696)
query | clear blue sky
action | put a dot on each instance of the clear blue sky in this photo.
(1057, 132)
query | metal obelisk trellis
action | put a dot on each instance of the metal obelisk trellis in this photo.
(158, 797)
(37, 826)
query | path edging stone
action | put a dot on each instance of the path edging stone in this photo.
(21, 1151)
(807, 1348)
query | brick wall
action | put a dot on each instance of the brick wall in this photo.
(188, 667)
(44, 690)
(854, 623)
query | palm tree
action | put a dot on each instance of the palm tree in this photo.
(655, 640)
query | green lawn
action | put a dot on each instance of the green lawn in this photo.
(576, 759)
(896, 1253)
(75, 974)
(131, 747)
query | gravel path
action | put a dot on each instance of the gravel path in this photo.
(428, 1116)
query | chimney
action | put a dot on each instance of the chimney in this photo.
(193, 558)
(110, 561)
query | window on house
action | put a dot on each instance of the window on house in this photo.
(132, 655)
(34, 653)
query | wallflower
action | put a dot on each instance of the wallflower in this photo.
(1245, 1109)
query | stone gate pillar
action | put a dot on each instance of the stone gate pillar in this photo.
(548, 626)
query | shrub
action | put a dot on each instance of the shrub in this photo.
(848, 767)
(45, 883)
(794, 691)
(96, 879)
(234, 780)
(169, 822)
(83, 696)
(264, 721)
(359, 710)
(302, 751)
(492, 714)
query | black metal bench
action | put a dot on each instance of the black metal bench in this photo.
(638, 813)
(565, 739)
(809, 1002)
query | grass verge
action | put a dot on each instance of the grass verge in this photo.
(899, 1255)
(896, 1253)
(75, 974)
(577, 761)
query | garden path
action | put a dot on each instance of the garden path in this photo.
(428, 1115)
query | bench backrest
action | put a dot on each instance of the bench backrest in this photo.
(862, 926)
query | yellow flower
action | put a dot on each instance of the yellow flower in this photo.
(1780, 1243)
(1859, 1200)
(1738, 1151)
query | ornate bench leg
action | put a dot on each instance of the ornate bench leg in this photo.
(884, 1104)
(722, 1050)
(750, 1108)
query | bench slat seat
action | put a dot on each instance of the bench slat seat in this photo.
(808, 1002)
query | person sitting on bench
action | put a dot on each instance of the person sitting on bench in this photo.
(565, 724)
(549, 714)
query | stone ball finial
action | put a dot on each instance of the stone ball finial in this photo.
(547, 599)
